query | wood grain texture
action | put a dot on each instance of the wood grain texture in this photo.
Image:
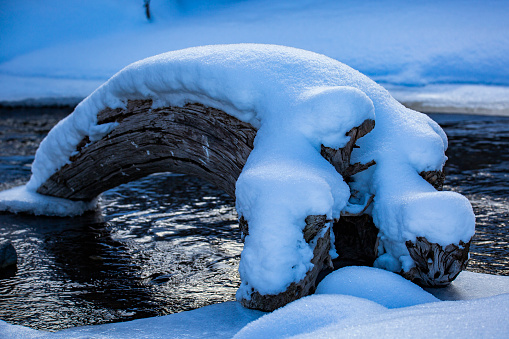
(193, 139)
(436, 266)
(340, 158)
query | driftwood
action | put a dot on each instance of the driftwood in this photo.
(436, 266)
(214, 146)
(196, 140)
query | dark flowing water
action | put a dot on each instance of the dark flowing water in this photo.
(169, 243)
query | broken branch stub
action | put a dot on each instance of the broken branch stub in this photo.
(436, 266)
(340, 158)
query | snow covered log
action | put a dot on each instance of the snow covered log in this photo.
(306, 110)
(193, 139)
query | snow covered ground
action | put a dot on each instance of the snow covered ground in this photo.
(445, 56)
(351, 302)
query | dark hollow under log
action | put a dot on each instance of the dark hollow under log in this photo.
(356, 241)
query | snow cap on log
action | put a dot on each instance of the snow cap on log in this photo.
(299, 102)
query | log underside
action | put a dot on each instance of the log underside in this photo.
(214, 146)
(194, 139)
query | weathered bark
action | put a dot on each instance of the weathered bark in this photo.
(321, 262)
(197, 140)
(340, 158)
(435, 178)
(436, 266)
(194, 139)
(314, 224)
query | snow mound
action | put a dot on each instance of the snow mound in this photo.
(298, 101)
(22, 200)
(342, 316)
(352, 309)
(309, 314)
(447, 319)
(383, 287)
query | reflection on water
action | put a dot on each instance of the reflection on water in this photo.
(166, 244)
(169, 243)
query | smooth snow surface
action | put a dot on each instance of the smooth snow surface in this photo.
(410, 44)
(298, 100)
(385, 288)
(350, 303)
(310, 314)
(340, 316)
(470, 285)
(22, 200)
(329, 315)
(214, 321)
(480, 318)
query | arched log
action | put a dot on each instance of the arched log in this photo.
(213, 145)
(196, 140)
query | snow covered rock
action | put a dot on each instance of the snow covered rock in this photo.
(383, 287)
(264, 122)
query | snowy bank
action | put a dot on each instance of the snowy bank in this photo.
(480, 311)
(48, 58)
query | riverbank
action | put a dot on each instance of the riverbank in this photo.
(438, 56)
(474, 302)
(444, 98)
